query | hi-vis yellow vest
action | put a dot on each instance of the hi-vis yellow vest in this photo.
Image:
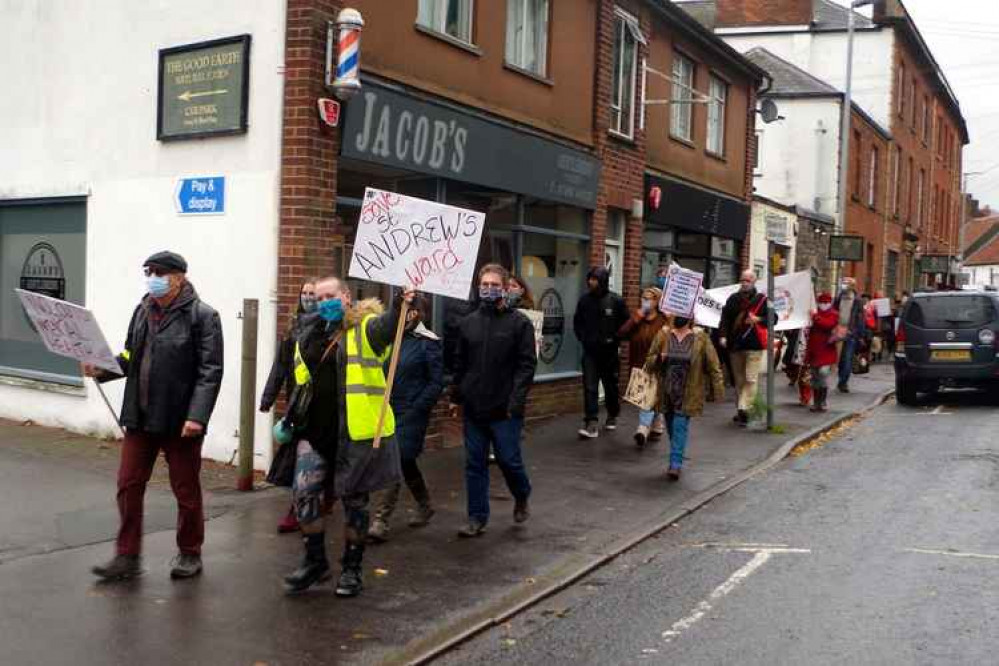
(365, 384)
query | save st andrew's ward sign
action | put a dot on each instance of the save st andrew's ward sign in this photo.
(200, 196)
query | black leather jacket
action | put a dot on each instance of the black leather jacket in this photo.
(184, 374)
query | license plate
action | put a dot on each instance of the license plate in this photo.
(951, 355)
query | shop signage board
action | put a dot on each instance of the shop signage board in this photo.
(777, 229)
(68, 330)
(402, 131)
(846, 248)
(410, 242)
(203, 89)
(681, 290)
(793, 301)
(934, 264)
(200, 196)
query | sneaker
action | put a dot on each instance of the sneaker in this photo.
(185, 566)
(610, 423)
(121, 567)
(521, 511)
(472, 530)
(378, 532)
(422, 517)
(589, 431)
(350, 583)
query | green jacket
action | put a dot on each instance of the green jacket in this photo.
(704, 380)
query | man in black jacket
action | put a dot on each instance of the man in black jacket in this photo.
(173, 367)
(739, 335)
(599, 315)
(494, 369)
(850, 307)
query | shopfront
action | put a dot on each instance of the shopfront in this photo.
(699, 229)
(537, 194)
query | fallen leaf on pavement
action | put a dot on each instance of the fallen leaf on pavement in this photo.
(381, 572)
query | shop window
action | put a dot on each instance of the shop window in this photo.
(724, 248)
(718, 91)
(891, 275)
(627, 37)
(693, 244)
(448, 17)
(682, 107)
(527, 35)
(42, 249)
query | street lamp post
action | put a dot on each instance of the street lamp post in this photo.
(844, 130)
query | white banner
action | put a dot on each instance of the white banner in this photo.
(681, 290)
(68, 330)
(405, 241)
(794, 300)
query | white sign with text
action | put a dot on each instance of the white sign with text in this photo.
(680, 294)
(68, 330)
(793, 300)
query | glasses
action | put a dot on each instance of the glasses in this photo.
(155, 270)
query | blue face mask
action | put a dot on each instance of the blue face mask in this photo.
(331, 310)
(490, 295)
(158, 285)
(661, 281)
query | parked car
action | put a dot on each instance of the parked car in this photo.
(947, 339)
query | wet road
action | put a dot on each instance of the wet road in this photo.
(879, 547)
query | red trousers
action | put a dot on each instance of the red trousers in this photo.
(183, 457)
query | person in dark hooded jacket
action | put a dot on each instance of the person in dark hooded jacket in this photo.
(600, 314)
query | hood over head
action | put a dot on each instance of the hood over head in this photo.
(603, 277)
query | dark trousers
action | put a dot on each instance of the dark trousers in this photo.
(504, 436)
(603, 368)
(846, 360)
(183, 457)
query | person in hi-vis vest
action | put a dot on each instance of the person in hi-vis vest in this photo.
(333, 415)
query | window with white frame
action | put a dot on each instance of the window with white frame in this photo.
(718, 92)
(896, 180)
(527, 35)
(682, 107)
(627, 37)
(448, 17)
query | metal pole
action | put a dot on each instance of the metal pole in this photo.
(100, 389)
(770, 335)
(247, 395)
(844, 139)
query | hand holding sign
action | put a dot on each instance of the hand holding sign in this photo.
(69, 330)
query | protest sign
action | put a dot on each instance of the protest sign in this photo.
(68, 330)
(882, 306)
(793, 301)
(680, 294)
(537, 318)
(405, 241)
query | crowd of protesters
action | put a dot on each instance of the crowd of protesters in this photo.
(340, 442)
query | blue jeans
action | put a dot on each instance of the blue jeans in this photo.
(678, 427)
(646, 417)
(504, 436)
(846, 360)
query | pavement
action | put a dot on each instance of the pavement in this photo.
(425, 589)
(877, 547)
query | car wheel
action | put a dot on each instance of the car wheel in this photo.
(905, 392)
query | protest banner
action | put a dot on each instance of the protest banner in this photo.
(882, 306)
(793, 301)
(681, 290)
(68, 330)
(405, 241)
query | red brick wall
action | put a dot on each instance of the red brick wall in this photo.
(764, 12)
(862, 218)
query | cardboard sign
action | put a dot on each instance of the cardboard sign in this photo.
(68, 330)
(882, 306)
(537, 318)
(793, 301)
(680, 294)
(405, 241)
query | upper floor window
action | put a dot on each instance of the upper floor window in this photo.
(448, 17)
(900, 90)
(718, 92)
(527, 35)
(912, 105)
(857, 164)
(872, 178)
(627, 37)
(896, 177)
(926, 119)
(682, 107)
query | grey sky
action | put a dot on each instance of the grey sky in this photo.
(964, 38)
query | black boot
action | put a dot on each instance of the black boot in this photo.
(315, 568)
(350, 583)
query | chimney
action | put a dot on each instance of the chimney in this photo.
(737, 13)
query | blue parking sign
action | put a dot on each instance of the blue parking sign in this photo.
(200, 196)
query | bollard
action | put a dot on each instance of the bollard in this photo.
(247, 395)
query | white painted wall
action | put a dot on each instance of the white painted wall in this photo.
(823, 55)
(982, 276)
(83, 121)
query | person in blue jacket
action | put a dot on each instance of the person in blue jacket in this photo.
(419, 381)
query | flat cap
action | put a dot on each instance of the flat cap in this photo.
(168, 260)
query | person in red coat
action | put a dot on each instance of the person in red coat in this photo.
(822, 350)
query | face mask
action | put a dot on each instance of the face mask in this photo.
(158, 285)
(331, 310)
(646, 306)
(490, 295)
(513, 298)
(825, 306)
(660, 281)
(680, 322)
(308, 303)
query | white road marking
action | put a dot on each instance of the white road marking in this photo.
(763, 553)
(952, 553)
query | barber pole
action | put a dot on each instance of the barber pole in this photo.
(346, 73)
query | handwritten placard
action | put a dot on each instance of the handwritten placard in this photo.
(680, 295)
(68, 330)
(405, 241)
(882, 306)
